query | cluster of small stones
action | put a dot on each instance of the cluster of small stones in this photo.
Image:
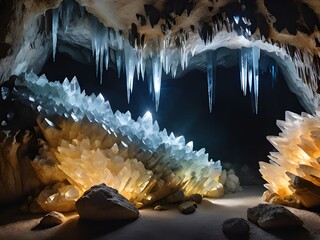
(185, 204)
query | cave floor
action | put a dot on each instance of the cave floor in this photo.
(205, 223)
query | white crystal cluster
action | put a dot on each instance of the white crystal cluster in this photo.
(92, 144)
(293, 174)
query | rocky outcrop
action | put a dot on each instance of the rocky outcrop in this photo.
(101, 202)
(270, 216)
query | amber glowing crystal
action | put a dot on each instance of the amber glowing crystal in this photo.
(293, 174)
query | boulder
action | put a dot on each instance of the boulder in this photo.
(101, 202)
(271, 216)
(236, 228)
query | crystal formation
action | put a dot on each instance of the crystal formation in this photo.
(293, 174)
(85, 144)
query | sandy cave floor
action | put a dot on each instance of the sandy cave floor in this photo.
(205, 223)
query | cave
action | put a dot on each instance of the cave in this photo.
(154, 106)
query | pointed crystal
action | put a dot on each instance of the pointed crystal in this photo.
(55, 25)
(211, 72)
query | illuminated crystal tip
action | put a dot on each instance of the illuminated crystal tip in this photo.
(293, 174)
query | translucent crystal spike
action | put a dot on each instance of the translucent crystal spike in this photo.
(244, 70)
(66, 13)
(55, 25)
(119, 62)
(130, 59)
(157, 74)
(211, 72)
(274, 72)
(255, 65)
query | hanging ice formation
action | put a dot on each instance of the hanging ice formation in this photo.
(249, 73)
(211, 75)
(55, 23)
(63, 13)
(130, 55)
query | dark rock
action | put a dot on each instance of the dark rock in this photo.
(101, 202)
(52, 219)
(197, 198)
(187, 208)
(270, 216)
(236, 228)
(176, 197)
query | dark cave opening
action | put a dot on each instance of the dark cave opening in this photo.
(232, 133)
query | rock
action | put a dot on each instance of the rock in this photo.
(236, 228)
(160, 208)
(270, 216)
(176, 197)
(232, 183)
(197, 198)
(187, 208)
(52, 219)
(101, 202)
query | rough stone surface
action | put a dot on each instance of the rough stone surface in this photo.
(236, 228)
(187, 207)
(52, 219)
(270, 216)
(101, 202)
(160, 208)
(197, 198)
(176, 197)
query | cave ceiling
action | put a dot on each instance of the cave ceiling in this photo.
(172, 36)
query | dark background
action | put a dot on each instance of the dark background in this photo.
(231, 133)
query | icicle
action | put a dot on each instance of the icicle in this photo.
(149, 76)
(101, 53)
(157, 74)
(100, 46)
(55, 24)
(106, 55)
(130, 60)
(211, 72)
(236, 19)
(244, 70)
(249, 69)
(119, 61)
(274, 72)
(255, 64)
(66, 13)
